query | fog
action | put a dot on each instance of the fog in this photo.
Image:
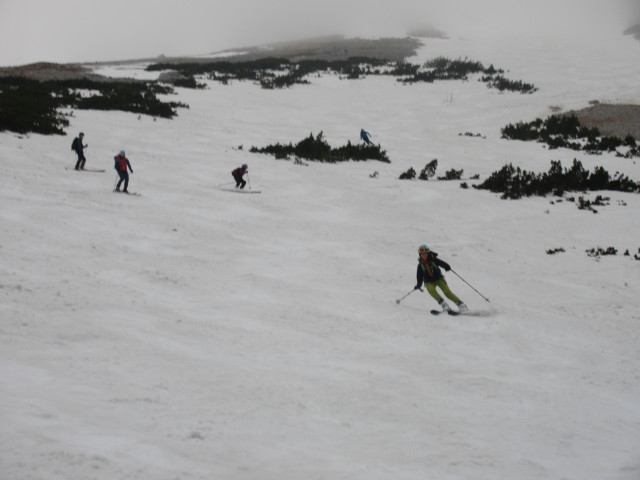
(94, 30)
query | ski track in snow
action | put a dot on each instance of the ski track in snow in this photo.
(193, 334)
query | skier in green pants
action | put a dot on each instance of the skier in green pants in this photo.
(430, 274)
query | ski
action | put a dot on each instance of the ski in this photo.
(450, 312)
(238, 190)
(94, 170)
(132, 194)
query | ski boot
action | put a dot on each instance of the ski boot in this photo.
(462, 306)
(444, 305)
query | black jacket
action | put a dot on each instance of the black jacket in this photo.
(430, 271)
(77, 145)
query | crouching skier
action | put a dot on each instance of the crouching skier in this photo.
(238, 173)
(430, 274)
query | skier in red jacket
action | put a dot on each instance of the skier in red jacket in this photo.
(121, 162)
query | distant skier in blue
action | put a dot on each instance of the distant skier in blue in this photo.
(365, 137)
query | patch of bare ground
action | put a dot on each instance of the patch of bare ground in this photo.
(612, 120)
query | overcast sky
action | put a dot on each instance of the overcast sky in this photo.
(96, 30)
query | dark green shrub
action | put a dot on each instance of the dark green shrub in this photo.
(429, 170)
(515, 183)
(629, 141)
(446, 69)
(32, 106)
(359, 152)
(265, 70)
(278, 150)
(426, 77)
(280, 72)
(28, 106)
(317, 149)
(500, 83)
(281, 81)
(597, 252)
(188, 82)
(565, 131)
(622, 183)
(584, 204)
(522, 131)
(452, 175)
(313, 148)
(491, 70)
(408, 175)
(403, 69)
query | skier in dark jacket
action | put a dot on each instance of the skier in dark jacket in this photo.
(364, 136)
(238, 173)
(121, 162)
(431, 276)
(78, 147)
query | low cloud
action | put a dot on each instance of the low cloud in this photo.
(93, 30)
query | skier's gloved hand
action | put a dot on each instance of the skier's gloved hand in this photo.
(447, 268)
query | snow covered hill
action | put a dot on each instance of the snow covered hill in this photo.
(195, 333)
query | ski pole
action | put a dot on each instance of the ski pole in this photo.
(400, 299)
(249, 180)
(116, 182)
(470, 286)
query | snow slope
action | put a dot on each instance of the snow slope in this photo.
(196, 334)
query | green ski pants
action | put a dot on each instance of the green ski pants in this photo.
(442, 283)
